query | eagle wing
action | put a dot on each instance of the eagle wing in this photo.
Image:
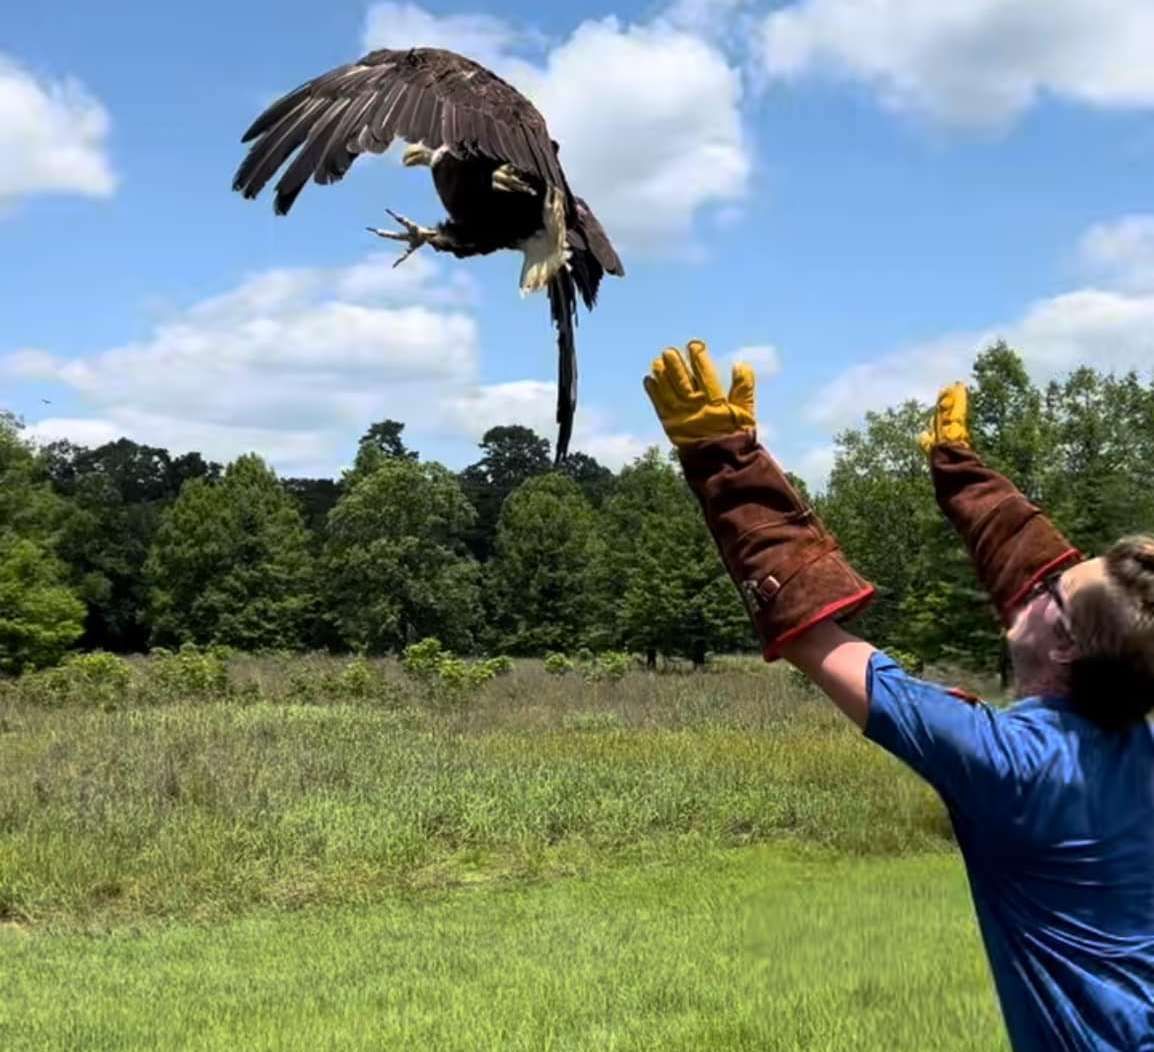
(426, 95)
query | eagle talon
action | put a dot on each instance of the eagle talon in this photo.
(414, 234)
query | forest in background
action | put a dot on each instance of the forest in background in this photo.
(126, 547)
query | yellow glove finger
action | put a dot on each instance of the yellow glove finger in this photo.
(926, 441)
(660, 390)
(704, 371)
(741, 390)
(657, 397)
(678, 375)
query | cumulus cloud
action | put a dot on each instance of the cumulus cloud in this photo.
(52, 137)
(648, 116)
(1111, 326)
(533, 403)
(970, 62)
(814, 466)
(1122, 251)
(763, 357)
(294, 363)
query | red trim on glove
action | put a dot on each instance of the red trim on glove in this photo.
(1071, 555)
(847, 605)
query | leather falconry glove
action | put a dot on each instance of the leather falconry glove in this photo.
(787, 566)
(1011, 542)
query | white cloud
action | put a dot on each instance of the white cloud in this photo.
(84, 431)
(648, 116)
(763, 357)
(1110, 327)
(294, 363)
(29, 364)
(483, 37)
(533, 404)
(52, 137)
(970, 62)
(1122, 251)
(814, 466)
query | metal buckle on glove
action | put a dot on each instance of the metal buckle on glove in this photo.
(757, 594)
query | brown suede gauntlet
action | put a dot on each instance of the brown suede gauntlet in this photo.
(1012, 543)
(786, 564)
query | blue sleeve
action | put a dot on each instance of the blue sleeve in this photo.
(973, 755)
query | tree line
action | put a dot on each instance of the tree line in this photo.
(126, 546)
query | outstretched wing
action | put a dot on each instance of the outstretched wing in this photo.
(424, 95)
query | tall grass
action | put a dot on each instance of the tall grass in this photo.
(306, 780)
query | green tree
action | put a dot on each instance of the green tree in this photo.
(539, 572)
(40, 617)
(381, 441)
(116, 494)
(1100, 482)
(395, 566)
(662, 586)
(596, 480)
(510, 456)
(230, 563)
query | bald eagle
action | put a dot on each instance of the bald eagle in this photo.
(494, 165)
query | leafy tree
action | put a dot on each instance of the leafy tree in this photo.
(1100, 483)
(659, 575)
(510, 455)
(40, 618)
(381, 441)
(395, 566)
(116, 494)
(315, 498)
(230, 563)
(39, 615)
(539, 571)
(596, 480)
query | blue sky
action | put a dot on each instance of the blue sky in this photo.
(856, 195)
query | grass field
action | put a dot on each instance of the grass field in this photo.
(669, 861)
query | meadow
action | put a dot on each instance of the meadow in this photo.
(204, 851)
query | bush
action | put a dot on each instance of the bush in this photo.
(88, 679)
(557, 664)
(421, 660)
(448, 678)
(611, 665)
(191, 671)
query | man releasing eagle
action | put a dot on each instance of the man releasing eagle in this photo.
(494, 166)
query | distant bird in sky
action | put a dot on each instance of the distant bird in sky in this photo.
(494, 165)
(46, 401)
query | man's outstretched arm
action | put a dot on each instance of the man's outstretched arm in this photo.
(837, 662)
(788, 567)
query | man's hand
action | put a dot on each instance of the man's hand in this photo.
(691, 405)
(951, 419)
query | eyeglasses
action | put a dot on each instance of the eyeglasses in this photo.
(1048, 585)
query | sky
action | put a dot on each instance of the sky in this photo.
(856, 196)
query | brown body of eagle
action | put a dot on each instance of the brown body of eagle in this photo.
(494, 166)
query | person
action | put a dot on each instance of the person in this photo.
(1051, 798)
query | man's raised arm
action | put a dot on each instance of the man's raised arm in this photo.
(788, 567)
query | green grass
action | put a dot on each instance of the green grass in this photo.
(206, 807)
(746, 949)
(310, 853)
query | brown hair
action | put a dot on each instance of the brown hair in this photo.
(1113, 622)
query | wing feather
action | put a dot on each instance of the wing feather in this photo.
(424, 95)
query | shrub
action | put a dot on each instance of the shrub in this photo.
(557, 664)
(421, 660)
(191, 671)
(97, 678)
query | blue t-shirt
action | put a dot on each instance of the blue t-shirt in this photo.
(1055, 820)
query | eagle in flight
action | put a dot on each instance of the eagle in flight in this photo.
(494, 165)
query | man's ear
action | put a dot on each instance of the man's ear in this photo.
(1065, 652)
